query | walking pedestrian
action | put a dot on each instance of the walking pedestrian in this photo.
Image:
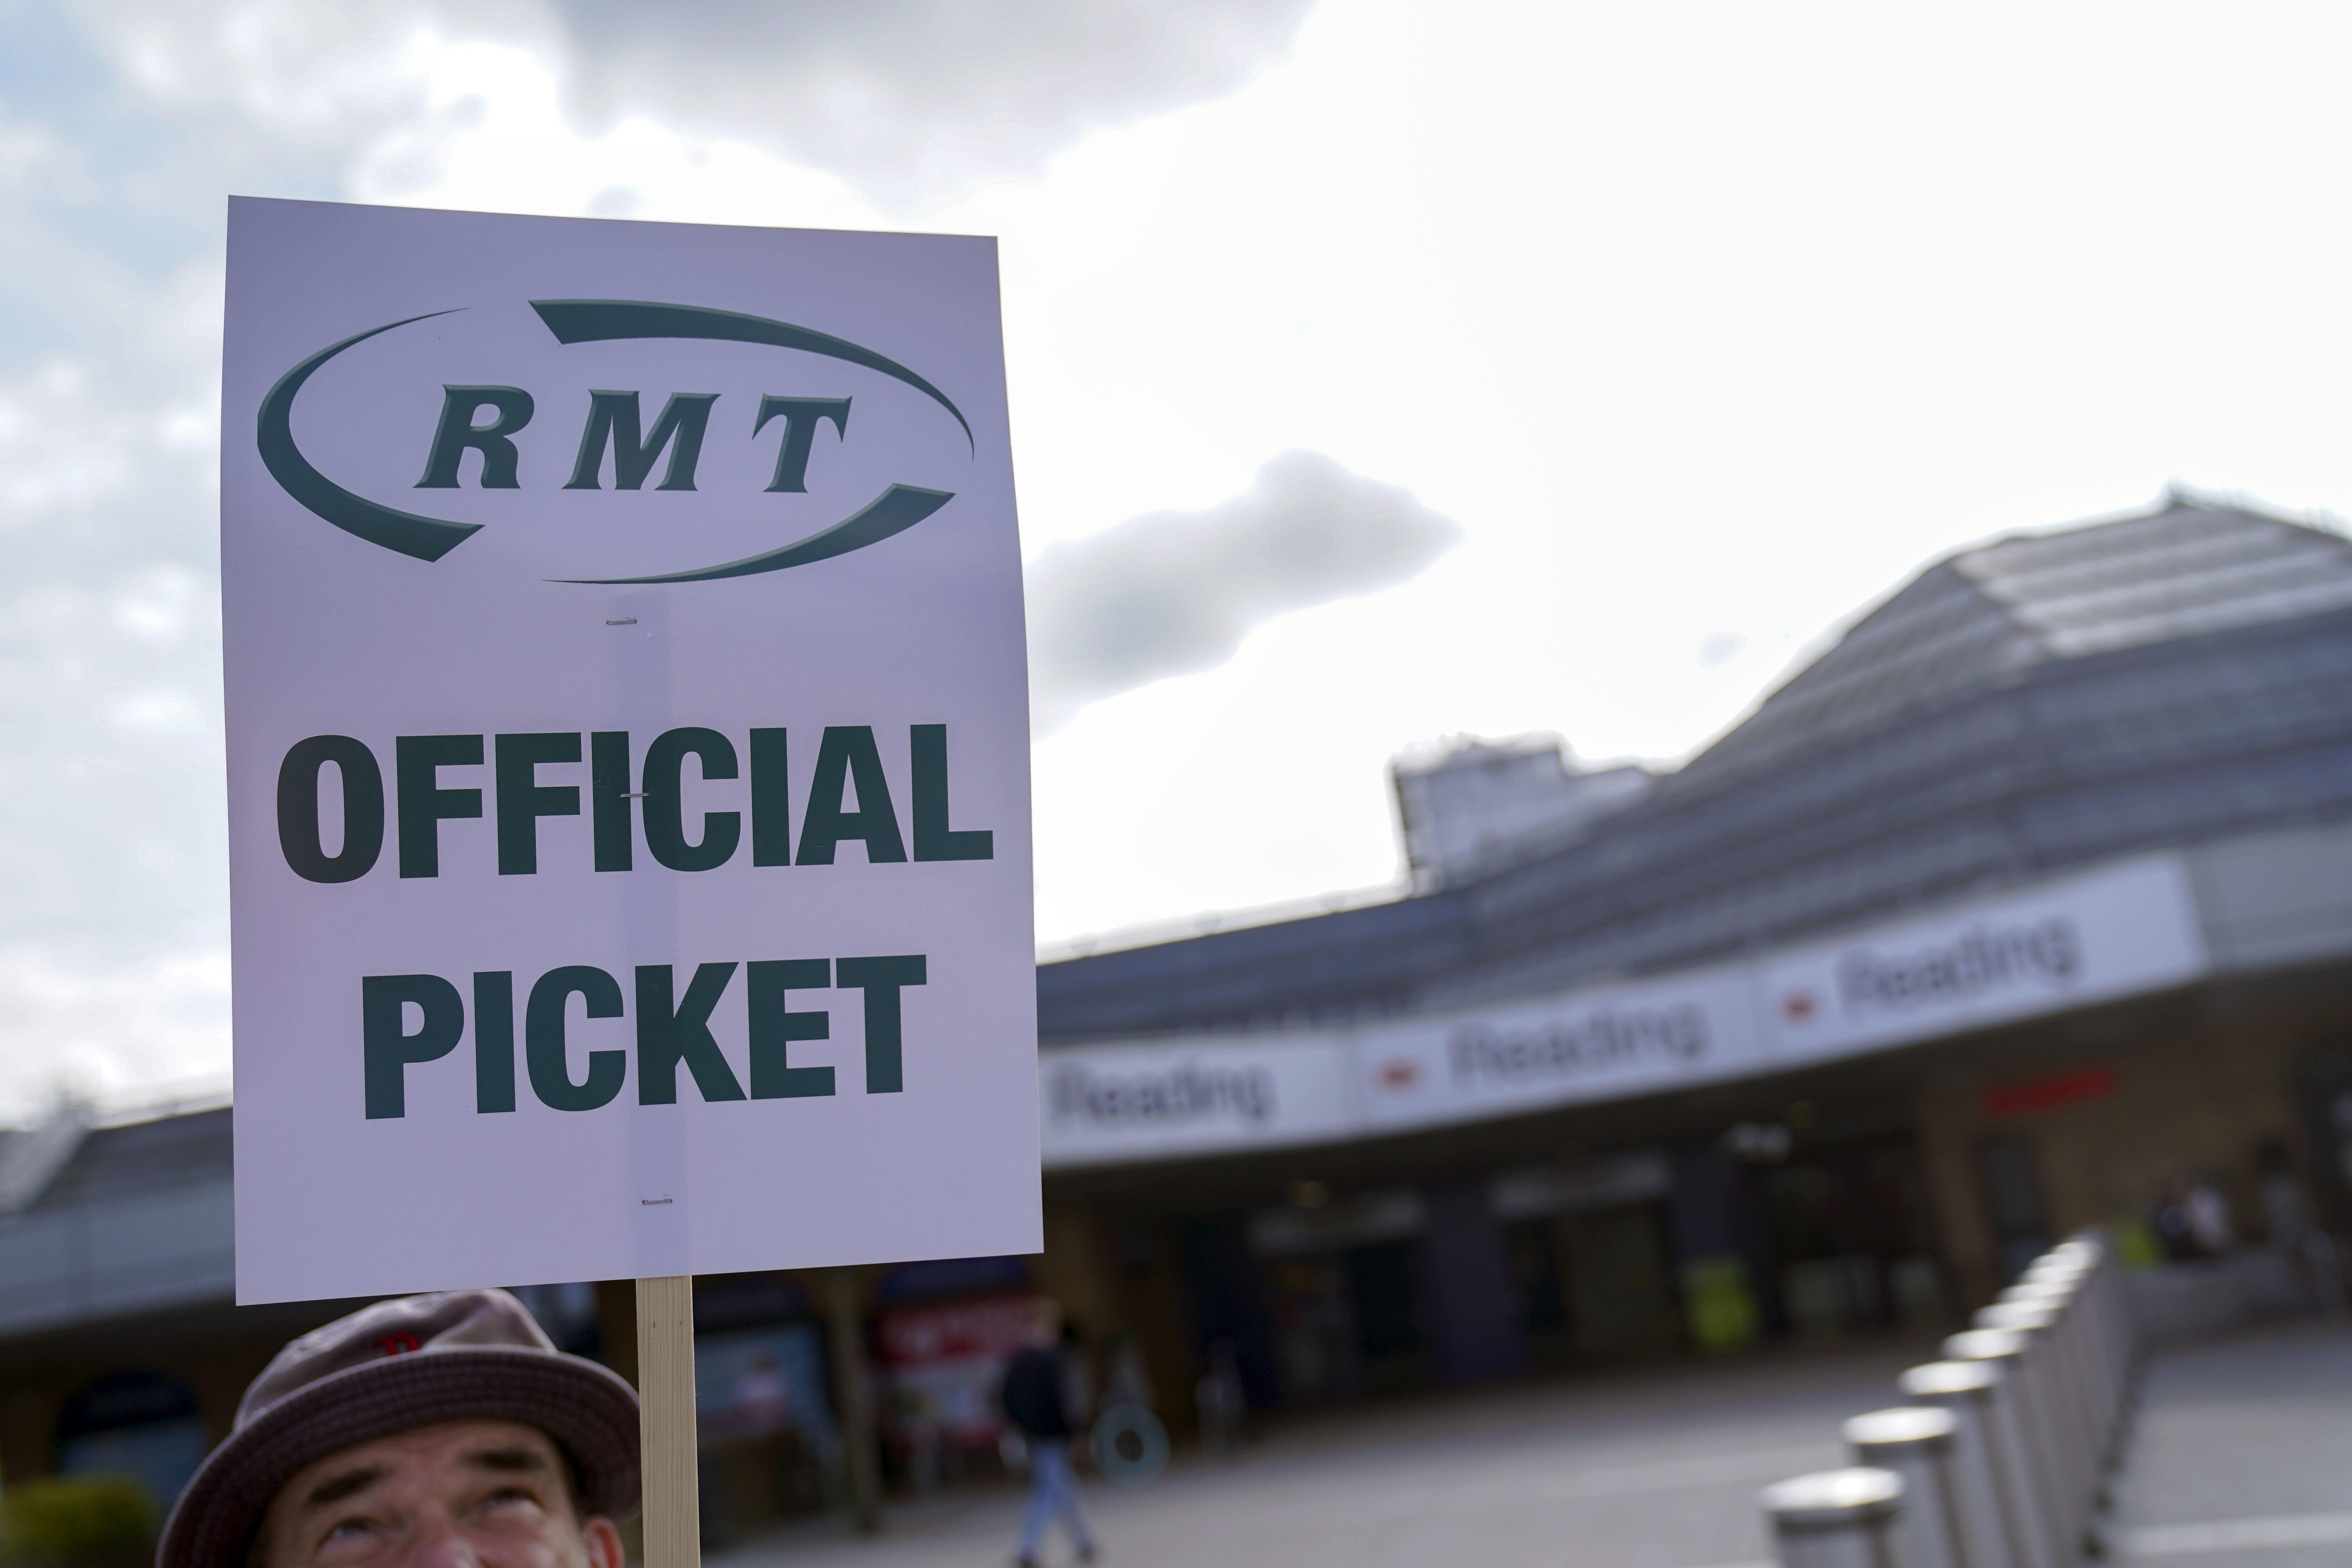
(2308, 1249)
(1223, 1403)
(1036, 1400)
(417, 1433)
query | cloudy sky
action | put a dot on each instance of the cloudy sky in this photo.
(1380, 372)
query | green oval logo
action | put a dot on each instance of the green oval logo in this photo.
(897, 509)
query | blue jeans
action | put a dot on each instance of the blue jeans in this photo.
(1053, 1494)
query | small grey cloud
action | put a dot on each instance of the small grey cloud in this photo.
(1174, 593)
(1720, 648)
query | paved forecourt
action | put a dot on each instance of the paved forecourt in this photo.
(1652, 1469)
(2240, 1454)
(2238, 1461)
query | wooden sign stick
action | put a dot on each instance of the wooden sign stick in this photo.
(673, 1518)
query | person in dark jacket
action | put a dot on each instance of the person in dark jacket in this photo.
(1036, 1400)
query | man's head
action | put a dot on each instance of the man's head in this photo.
(457, 1494)
(437, 1431)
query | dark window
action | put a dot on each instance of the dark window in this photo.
(1380, 1288)
(2012, 1188)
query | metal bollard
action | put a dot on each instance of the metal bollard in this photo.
(1916, 1443)
(1967, 1389)
(2047, 1310)
(1835, 1518)
(2097, 1293)
(2047, 1395)
(2025, 1477)
(2078, 1373)
(2080, 1276)
(2105, 1291)
(2096, 1345)
(2073, 1286)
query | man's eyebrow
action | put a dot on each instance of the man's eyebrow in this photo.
(335, 1488)
(505, 1460)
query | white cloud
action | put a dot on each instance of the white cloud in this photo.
(910, 99)
(110, 1033)
(1705, 324)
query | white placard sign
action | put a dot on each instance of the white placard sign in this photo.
(628, 752)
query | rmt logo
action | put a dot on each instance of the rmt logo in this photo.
(616, 426)
(485, 421)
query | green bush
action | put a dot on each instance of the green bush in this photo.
(64, 1521)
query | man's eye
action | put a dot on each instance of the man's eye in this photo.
(511, 1494)
(345, 1529)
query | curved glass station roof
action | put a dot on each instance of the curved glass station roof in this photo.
(2042, 702)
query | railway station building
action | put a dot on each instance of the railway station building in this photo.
(2024, 905)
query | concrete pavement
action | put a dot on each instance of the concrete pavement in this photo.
(1654, 1469)
(2242, 1458)
(2242, 1455)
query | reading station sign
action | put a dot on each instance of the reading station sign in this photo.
(627, 751)
(2119, 930)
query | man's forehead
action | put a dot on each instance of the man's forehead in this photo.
(443, 1441)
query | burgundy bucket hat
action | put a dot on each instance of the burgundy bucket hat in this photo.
(457, 1355)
